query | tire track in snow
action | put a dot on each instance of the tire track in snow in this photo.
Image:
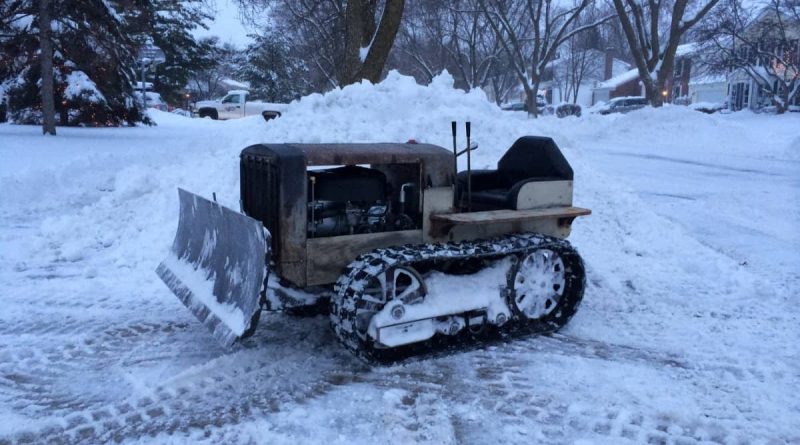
(526, 408)
(294, 361)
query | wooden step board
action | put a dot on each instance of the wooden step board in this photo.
(498, 216)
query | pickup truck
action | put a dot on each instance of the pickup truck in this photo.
(235, 105)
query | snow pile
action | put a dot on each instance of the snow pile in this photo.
(396, 109)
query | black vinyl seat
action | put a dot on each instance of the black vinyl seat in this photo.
(530, 159)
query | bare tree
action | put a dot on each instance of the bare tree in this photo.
(577, 63)
(476, 50)
(424, 40)
(453, 35)
(344, 40)
(222, 62)
(762, 40)
(580, 57)
(46, 59)
(531, 32)
(653, 31)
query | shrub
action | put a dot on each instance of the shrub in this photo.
(565, 110)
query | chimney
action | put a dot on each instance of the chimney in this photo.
(608, 68)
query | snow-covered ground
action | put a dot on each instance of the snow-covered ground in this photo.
(687, 334)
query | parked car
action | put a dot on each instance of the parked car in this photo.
(541, 106)
(624, 104)
(517, 106)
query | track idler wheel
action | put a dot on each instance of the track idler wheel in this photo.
(546, 287)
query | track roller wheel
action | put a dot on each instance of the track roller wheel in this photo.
(399, 286)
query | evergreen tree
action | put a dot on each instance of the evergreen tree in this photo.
(168, 24)
(273, 73)
(92, 63)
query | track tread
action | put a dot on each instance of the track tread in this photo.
(349, 287)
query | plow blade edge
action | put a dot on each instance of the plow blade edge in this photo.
(218, 266)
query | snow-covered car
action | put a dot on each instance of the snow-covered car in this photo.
(235, 105)
(624, 104)
(152, 100)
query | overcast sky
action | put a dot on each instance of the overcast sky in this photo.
(227, 25)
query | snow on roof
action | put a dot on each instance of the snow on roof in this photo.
(619, 66)
(231, 83)
(687, 49)
(616, 81)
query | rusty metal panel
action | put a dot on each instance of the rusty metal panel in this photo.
(327, 257)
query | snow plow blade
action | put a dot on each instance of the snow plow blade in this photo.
(218, 266)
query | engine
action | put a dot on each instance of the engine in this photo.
(350, 200)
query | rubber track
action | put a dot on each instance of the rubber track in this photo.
(357, 275)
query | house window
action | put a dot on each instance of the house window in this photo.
(676, 92)
(678, 67)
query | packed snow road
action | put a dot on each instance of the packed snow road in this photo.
(687, 334)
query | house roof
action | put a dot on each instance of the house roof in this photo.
(618, 80)
(687, 49)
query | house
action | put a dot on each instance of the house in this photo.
(597, 66)
(688, 82)
(766, 60)
(625, 84)
(755, 86)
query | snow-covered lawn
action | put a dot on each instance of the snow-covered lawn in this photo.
(688, 332)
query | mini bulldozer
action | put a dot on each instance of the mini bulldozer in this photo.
(404, 253)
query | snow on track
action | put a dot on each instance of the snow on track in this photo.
(687, 333)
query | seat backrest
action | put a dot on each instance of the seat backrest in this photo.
(535, 156)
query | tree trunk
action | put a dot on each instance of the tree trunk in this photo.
(353, 16)
(361, 33)
(783, 104)
(653, 91)
(381, 45)
(47, 93)
(531, 93)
